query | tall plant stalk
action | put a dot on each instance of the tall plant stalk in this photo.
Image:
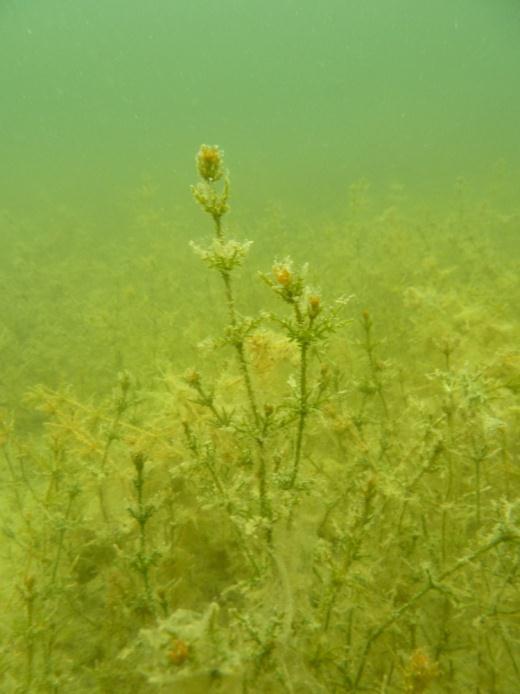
(224, 256)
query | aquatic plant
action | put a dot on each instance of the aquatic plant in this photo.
(324, 500)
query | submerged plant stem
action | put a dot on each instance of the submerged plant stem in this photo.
(430, 585)
(302, 416)
(302, 395)
(239, 345)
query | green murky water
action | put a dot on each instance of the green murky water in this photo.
(293, 466)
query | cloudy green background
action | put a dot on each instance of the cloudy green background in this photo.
(303, 96)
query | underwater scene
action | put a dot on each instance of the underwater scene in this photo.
(260, 347)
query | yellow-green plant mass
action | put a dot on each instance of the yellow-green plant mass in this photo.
(322, 498)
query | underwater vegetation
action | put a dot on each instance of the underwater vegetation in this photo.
(325, 500)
